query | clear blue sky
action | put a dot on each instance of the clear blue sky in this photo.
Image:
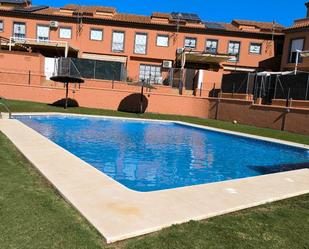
(282, 11)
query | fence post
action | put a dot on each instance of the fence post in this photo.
(29, 77)
(94, 71)
(306, 94)
(113, 81)
(247, 88)
(288, 98)
(275, 92)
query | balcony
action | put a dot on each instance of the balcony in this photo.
(41, 44)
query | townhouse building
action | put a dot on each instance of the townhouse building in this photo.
(163, 48)
(296, 39)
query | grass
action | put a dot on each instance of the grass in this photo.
(26, 106)
(33, 215)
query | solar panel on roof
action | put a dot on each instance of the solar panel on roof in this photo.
(185, 16)
(31, 8)
(14, 1)
(214, 25)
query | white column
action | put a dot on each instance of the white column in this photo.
(200, 78)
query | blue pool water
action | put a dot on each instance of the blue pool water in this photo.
(147, 156)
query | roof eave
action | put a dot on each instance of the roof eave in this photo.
(150, 24)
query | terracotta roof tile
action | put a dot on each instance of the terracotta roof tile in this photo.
(132, 18)
(299, 24)
(261, 25)
(90, 11)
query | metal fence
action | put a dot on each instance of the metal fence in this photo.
(91, 69)
(268, 86)
(238, 83)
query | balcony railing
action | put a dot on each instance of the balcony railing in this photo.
(21, 39)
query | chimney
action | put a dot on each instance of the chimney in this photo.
(307, 5)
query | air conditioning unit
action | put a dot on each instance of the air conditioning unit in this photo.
(180, 50)
(167, 64)
(53, 24)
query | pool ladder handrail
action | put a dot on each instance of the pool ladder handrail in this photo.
(3, 102)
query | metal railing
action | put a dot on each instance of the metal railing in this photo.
(7, 42)
(66, 67)
(6, 106)
(29, 41)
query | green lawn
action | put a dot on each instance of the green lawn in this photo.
(25, 106)
(33, 215)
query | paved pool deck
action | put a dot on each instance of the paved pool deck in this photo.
(119, 213)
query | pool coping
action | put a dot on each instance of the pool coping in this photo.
(120, 213)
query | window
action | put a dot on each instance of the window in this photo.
(1, 26)
(65, 33)
(296, 44)
(255, 48)
(140, 46)
(162, 40)
(118, 41)
(150, 73)
(19, 30)
(190, 42)
(234, 49)
(42, 33)
(211, 46)
(96, 34)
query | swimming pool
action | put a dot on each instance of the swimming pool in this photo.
(148, 156)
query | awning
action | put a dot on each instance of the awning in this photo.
(206, 58)
(103, 57)
(203, 60)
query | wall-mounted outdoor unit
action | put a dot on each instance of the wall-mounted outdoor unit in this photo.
(167, 64)
(54, 24)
